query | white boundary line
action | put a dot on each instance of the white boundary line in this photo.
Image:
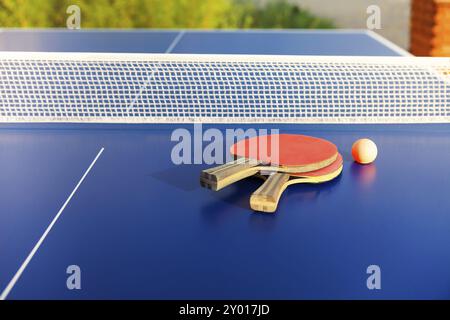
(188, 58)
(152, 73)
(175, 42)
(143, 87)
(388, 43)
(19, 272)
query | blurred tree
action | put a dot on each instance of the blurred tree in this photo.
(24, 13)
(158, 14)
(280, 14)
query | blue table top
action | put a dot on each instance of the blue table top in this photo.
(140, 227)
(305, 42)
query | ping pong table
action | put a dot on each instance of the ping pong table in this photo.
(107, 198)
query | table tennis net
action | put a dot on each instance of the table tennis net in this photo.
(153, 88)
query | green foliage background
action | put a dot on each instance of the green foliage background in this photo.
(158, 14)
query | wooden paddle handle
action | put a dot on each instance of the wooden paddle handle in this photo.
(219, 177)
(267, 196)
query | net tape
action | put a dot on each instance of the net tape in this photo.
(153, 88)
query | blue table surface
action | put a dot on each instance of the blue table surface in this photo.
(305, 42)
(141, 227)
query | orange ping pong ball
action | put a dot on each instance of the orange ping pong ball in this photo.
(364, 151)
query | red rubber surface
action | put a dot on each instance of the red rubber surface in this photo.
(292, 149)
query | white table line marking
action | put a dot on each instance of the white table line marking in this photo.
(22, 268)
(175, 41)
(152, 73)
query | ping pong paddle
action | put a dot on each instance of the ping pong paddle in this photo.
(291, 153)
(266, 198)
